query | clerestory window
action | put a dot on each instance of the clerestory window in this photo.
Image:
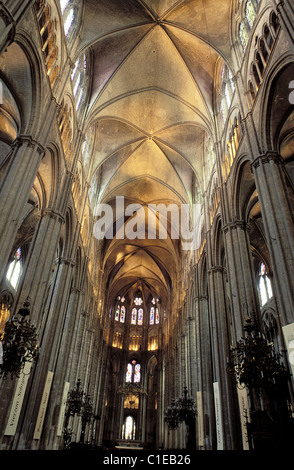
(264, 285)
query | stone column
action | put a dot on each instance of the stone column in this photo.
(64, 365)
(51, 332)
(206, 372)
(277, 216)
(39, 262)
(15, 188)
(220, 334)
(240, 274)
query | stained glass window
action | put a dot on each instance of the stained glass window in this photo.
(228, 98)
(250, 13)
(68, 21)
(137, 374)
(243, 35)
(140, 316)
(138, 301)
(129, 428)
(15, 269)
(69, 12)
(129, 373)
(227, 89)
(120, 311)
(117, 312)
(223, 110)
(63, 5)
(231, 81)
(122, 314)
(264, 285)
(134, 316)
(154, 313)
(133, 373)
(152, 316)
(78, 78)
(157, 316)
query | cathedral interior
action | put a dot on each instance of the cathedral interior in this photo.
(146, 229)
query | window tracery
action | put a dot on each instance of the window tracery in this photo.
(87, 148)
(47, 28)
(69, 9)
(227, 89)
(262, 55)
(247, 21)
(250, 13)
(120, 310)
(133, 373)
(243, 36)
(154, 312)
(137, 314)
(232, 145)
(64, 123)
(93, 191)
(79, 80)
(77, 187)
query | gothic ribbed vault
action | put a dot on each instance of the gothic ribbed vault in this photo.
(151, 101)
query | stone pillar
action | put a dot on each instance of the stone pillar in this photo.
(192, 355)
(51, 332)
(277, 216)
(15, 188)
(39, 262)
(206, 372)
(66, 369)
(220, 334)
(241, 277)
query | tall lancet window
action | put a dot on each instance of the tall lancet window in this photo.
(133, 373)
(137, 310)
(227, 90)
(264, 285)
(15, 269)
(129, 428)
(154, 312)
(69, 13)
(120, 310)
(79, 80)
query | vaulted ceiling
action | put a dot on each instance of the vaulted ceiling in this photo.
(152, 93)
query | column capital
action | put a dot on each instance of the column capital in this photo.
(269, 156)
(234, 225)
(75, 290)
(53, 214)
(201, 297)
(28, 139)
(216, 269)
(65, 261)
